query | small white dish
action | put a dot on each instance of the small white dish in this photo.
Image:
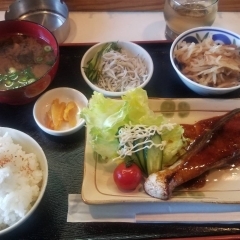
(132, 49)
(29, 145)
(64, 94)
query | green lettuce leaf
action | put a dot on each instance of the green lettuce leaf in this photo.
(175, 142)
(104, 116)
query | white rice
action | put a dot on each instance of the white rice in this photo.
(20, 181)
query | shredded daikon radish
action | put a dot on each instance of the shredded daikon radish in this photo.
(128, 135)
(120, 72)
(209, 63)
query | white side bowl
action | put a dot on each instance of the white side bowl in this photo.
(132, 48)
(29, 145)
(196, 35)
(64, 94)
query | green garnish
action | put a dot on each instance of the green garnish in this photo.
(23, 80)
(8, 83)
(13, 76)
(92, 70)
(39, 59)
(15, 79)
(2, 77)
(31, 80)
(47, 48)
(28, 73)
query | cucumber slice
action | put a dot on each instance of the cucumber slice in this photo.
(153, 156)
(134, 158)
(140, 156)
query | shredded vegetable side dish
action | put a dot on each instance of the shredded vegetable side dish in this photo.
(121, 72)
(209, 63)
(115, 70)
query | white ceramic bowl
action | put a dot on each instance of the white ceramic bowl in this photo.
(29, 145)
(64, 94)
(196, 35)
(133, 49)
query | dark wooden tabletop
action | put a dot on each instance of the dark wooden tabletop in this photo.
(126, 5)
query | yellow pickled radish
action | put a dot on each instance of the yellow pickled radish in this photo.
(57, 110)
(70, 113)
(60, 112)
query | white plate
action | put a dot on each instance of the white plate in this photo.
(222, 186)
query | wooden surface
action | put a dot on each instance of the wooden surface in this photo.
(126, 5)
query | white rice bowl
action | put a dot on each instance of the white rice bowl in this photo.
(23, 177)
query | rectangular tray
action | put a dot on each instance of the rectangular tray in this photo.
(221, 186)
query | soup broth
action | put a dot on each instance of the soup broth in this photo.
(23, 60)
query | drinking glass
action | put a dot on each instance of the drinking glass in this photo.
(181, 15)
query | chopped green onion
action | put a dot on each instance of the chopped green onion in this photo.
(31, 80)
(13, 76)
(27, 72)
(23, 80)
(39, 59)
(8, 83)
(17, 86)
(47, 48)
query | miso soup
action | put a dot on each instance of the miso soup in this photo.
(23, 60)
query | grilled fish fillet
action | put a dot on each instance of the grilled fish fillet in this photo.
(214, 148)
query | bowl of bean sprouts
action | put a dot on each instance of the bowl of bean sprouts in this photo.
(207, 60)
(112, 68)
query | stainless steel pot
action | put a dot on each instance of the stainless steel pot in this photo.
(52, 14)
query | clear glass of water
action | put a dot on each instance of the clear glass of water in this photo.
(181, 15)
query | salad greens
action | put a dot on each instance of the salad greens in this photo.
(92, 70)
(106, 116)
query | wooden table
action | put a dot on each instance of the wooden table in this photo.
(126, 5)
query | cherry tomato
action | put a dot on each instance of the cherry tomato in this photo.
(127, 176)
